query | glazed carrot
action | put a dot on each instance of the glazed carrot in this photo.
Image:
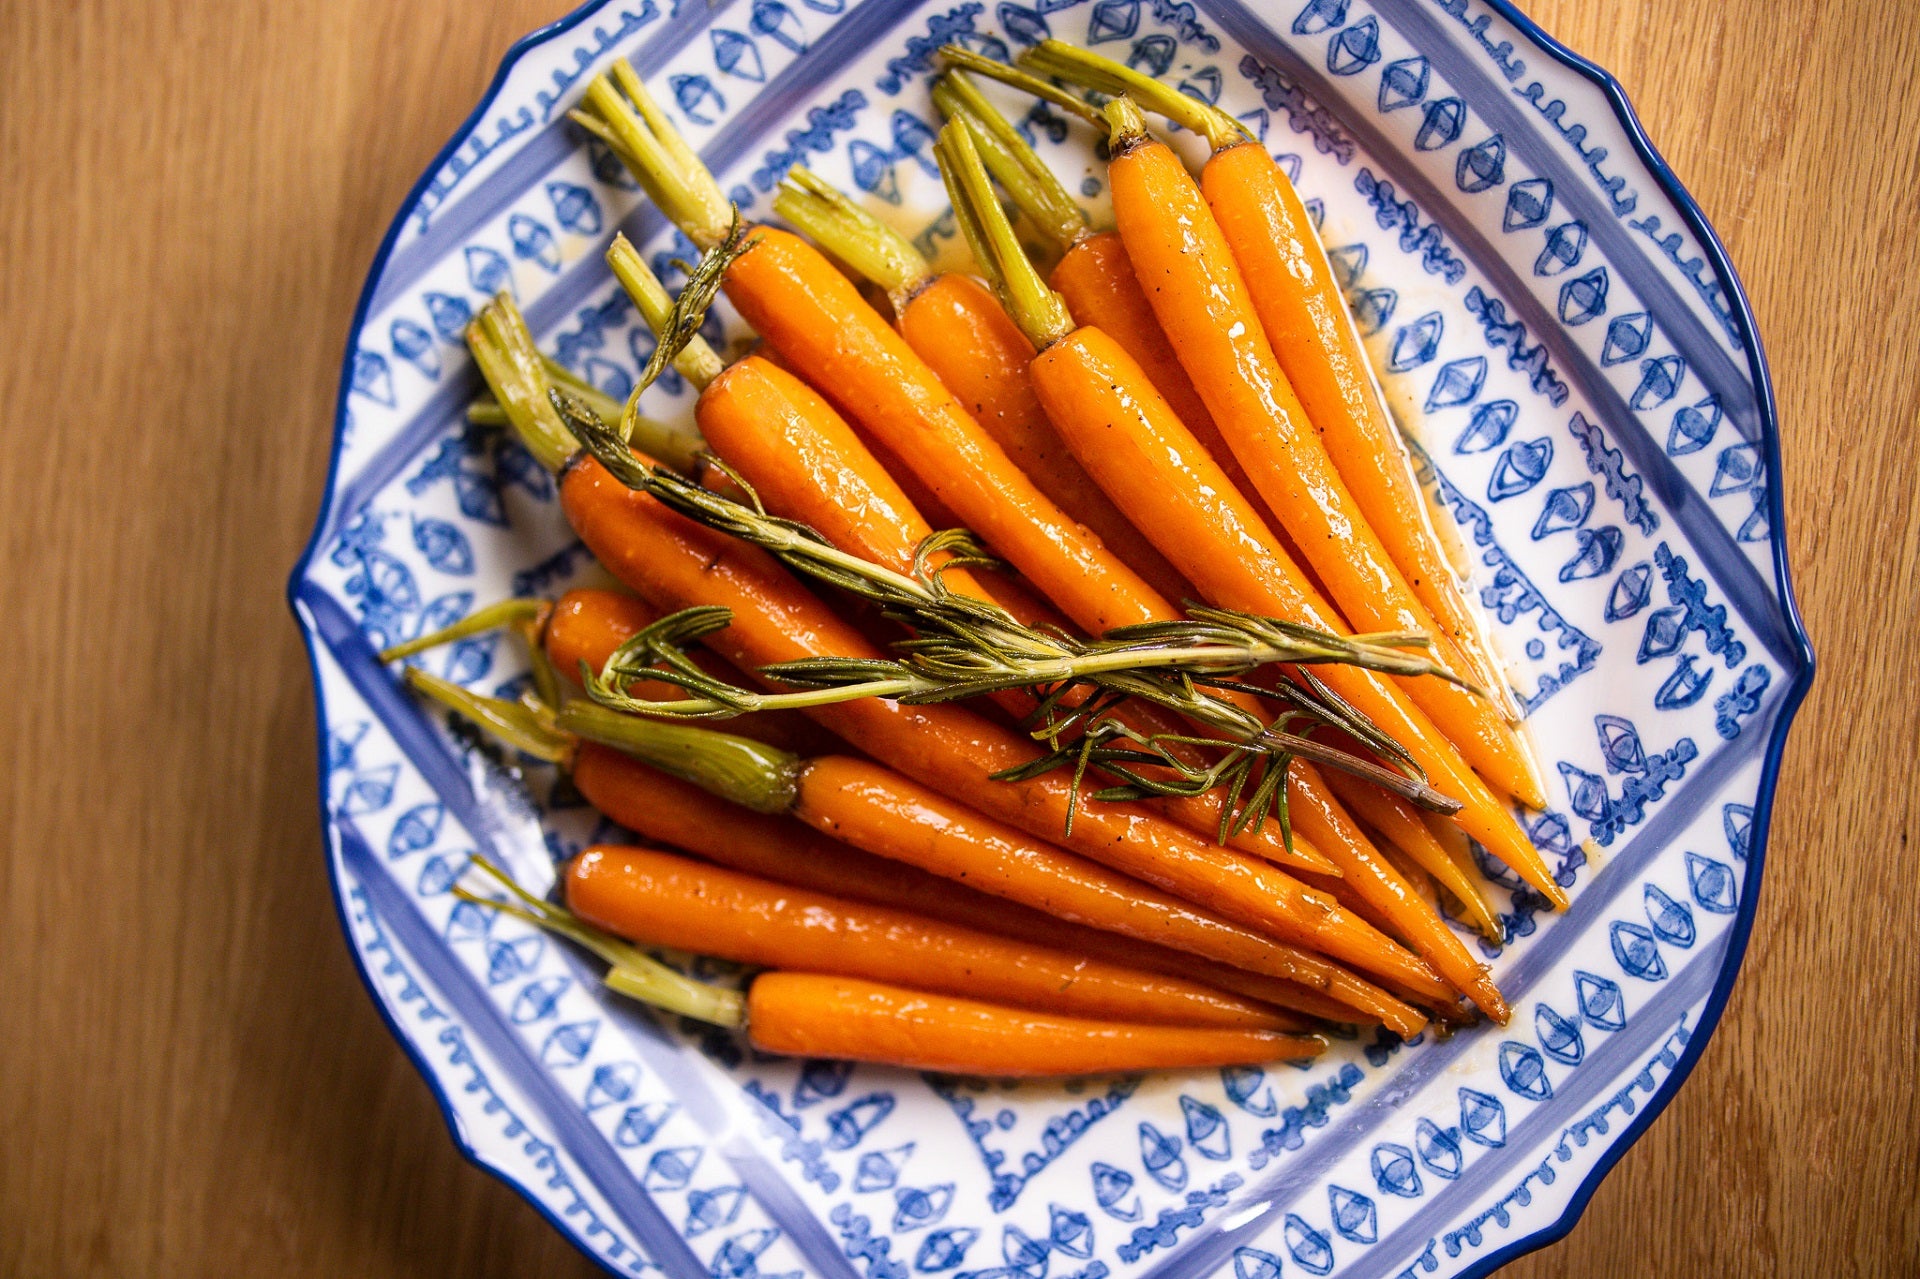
(674, 563)
(819, 1015)
(1404, 830)
(806, 464)
(800, 303)
(813, 1016)
(1196, 289)
(662, 899)
(671, 811)
(1291, 284)
(977, 353)
(1093, 273)
(1133, 445)
(586, 625)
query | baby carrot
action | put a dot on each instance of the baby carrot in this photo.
(978, 354)
(674, 563)
(1152, 465)
(807, 1015)
(822, 1015)
(1291, 286)
(661, 899)
(801, 303)
(666, 809)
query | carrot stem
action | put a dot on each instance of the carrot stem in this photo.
(1033, 185)
(631, 971)
(1038, 310)
(841, 227)
(521, 379)
(492, 617)
(620, 112)
(1057, 58)
(697, 362)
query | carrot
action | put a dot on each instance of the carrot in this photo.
(1136, 448)
(586, 625)
(806, 1015)
(1312, 332)
(823, 1015)
(1093, 273)
(880, 812)
(674, 563)
(671, 811)
(1403, 829)
(799, 302)
(963, 335)
(806, 464)
(661, 899)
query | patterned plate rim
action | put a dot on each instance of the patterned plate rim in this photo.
(1742, 314)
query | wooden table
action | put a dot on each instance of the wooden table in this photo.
(193, 1081)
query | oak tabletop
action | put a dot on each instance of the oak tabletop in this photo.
(193, 1080)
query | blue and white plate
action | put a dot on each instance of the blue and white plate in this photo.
(1561, 329)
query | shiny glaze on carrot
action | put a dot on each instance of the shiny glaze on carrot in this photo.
(1153, 467)
(1312, 333)
(674, 563)
(663, 899)
(809, 1015)
(1190, 277)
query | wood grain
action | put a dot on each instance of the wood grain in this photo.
(193, 1082)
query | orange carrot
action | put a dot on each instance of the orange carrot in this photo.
(962, 333)
(806, 464)
(675, 563)
(1153, 467)
(1312, 332)
(807, 1015)
(671, 811)
(661, 899)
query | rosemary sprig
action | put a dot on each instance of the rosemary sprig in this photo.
(963, 647)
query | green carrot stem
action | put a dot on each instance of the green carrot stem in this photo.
(1033, 186)
(513, 368)
(873, 249)
(749, 773)
(697, 362)
(620, 112)
(955, 55)
(631, 971)
(494, 616)
(1104, 75)
(515, 723)
(1039, 311)
(520, 378)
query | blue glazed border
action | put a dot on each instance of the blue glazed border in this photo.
(1802, 655)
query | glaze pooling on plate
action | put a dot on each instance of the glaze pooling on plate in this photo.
(1559, 331)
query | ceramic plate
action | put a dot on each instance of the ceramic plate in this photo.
(1560, 329)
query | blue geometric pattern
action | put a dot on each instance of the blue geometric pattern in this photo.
(1574, 360)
